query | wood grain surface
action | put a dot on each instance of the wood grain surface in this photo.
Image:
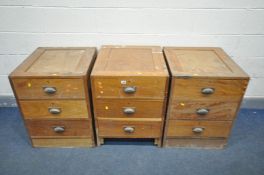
(142, 129)
(114, 108)
(65, 88)
(180, 128)
(151, 87)
(39, 109)
(45, 128)
(218, 110)
(226, 90)
(67, 143)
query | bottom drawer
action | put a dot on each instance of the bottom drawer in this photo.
(113, 128)
(180, 128)
(58, 128)
(69, 143)
(196, 143)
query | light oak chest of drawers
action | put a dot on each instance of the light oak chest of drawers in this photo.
(51, 88)
(129, 87)
(206, 91)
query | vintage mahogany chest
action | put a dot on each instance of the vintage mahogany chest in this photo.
(51, 88)
(206, 91)
(129, 87)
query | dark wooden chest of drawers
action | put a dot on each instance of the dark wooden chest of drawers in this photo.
(206, 91)
(129, 86)
(51, 88)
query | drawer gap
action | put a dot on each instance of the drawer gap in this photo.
(128, 141)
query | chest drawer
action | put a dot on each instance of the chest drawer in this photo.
(54, 109)
(49, 88)
(197, 129)
(203, 110)
(208, 89)
(58, 128)
(62, 142)
(52, 92)
(130, 87)
(127, 108)
(129, 129)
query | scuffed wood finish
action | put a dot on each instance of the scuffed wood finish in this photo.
(114, 108)
(66, 70)
(140, 67)
(129, 61)
(207, 62)
(66, 143)
(53, 59)
(230, 90)
(35, 109)
(142, 129)
(180, 128)
(65, 88)
(56, 62)
(187, 110)
(45, 128)
(151, 87)
(194, 69)
(212, 143)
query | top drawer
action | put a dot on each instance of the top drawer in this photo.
(206, 89)
(49, 88)
(130, 87)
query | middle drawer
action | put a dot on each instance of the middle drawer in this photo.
(115, 108)
(51, 109)
(202, 110)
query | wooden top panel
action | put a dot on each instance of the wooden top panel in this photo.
(56, 62)
(202, 62)
(130, 60)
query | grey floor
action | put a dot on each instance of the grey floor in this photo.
(244, 154)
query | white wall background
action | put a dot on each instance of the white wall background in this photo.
(235, 25)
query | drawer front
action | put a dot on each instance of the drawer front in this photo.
(58, 128)
(206, 89)
(49, 88)
(64, 142)
(203, 110)
(129, 129)
(54, 109)
(115, 108)
(196, 129)
(215, 143)
(151, 87)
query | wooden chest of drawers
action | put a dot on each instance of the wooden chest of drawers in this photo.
(129, 86)
(51, 88)
(206, 91)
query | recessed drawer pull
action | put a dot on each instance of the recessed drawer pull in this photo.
(198, 130)
(58, 129)
(129, 110)
(129, 129)
(207, 91)
(202, 111)
(130, 89)
(54, 110)
(49, 90)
